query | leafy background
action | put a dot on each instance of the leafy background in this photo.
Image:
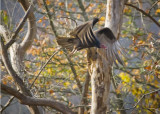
(140, 38)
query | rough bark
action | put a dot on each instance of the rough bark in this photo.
(100, 69)
(17, 51)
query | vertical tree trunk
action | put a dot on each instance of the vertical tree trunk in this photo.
(99, 69)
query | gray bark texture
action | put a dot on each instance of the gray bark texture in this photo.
(99, 68)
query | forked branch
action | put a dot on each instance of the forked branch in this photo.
(36, 101)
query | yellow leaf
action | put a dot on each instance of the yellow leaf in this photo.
(125, 77)
(9, 77)
(49, 71)
(102, 19)
(74, 86)
(158, 11)
(127, 10)
(85, 112)
(141, 42)
(66, 84)
(67, 13)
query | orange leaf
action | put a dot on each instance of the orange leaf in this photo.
(73, 9)
(51, 91)
(61, 3)
(4, 82)
(48, 2)
(40, 21)
(148, 68)
(149, 36)
(69, 5)
(135, 48)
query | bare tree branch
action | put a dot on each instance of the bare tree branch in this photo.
(7, 104)
(50, 18)
(44, 67)
(153, 5)
(74, 71)
(36, 101)
(32, 29)
(84, 93)
(19, 27)
(81, 6)
(4, 32)
(146, 14)
(68, 58)
(143, 96)
(11, 71)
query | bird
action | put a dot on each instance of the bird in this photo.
(83, 37)
(113, 48)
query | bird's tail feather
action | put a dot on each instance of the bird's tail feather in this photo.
(66, 43)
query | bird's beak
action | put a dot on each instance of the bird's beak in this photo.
(103, 46)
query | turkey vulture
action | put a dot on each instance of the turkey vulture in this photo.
(84, 37)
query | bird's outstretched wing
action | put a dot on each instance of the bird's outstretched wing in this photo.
(85, 33)
(114, 49)
(83, 37)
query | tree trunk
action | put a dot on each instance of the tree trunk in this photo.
(99, 68)
(18, 50)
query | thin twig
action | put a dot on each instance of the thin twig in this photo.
(84, 93)
(73, 70)
(19, 27)
(146, 14)
(80, 106)
(153, 5)
(44, 66)
(7, 104)
(136, 102)
(31, 101)
(66, 54)
(70, 19)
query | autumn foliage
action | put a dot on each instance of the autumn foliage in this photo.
(140, 37)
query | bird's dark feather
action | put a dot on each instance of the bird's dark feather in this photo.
(106, 36)
(84, 37)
